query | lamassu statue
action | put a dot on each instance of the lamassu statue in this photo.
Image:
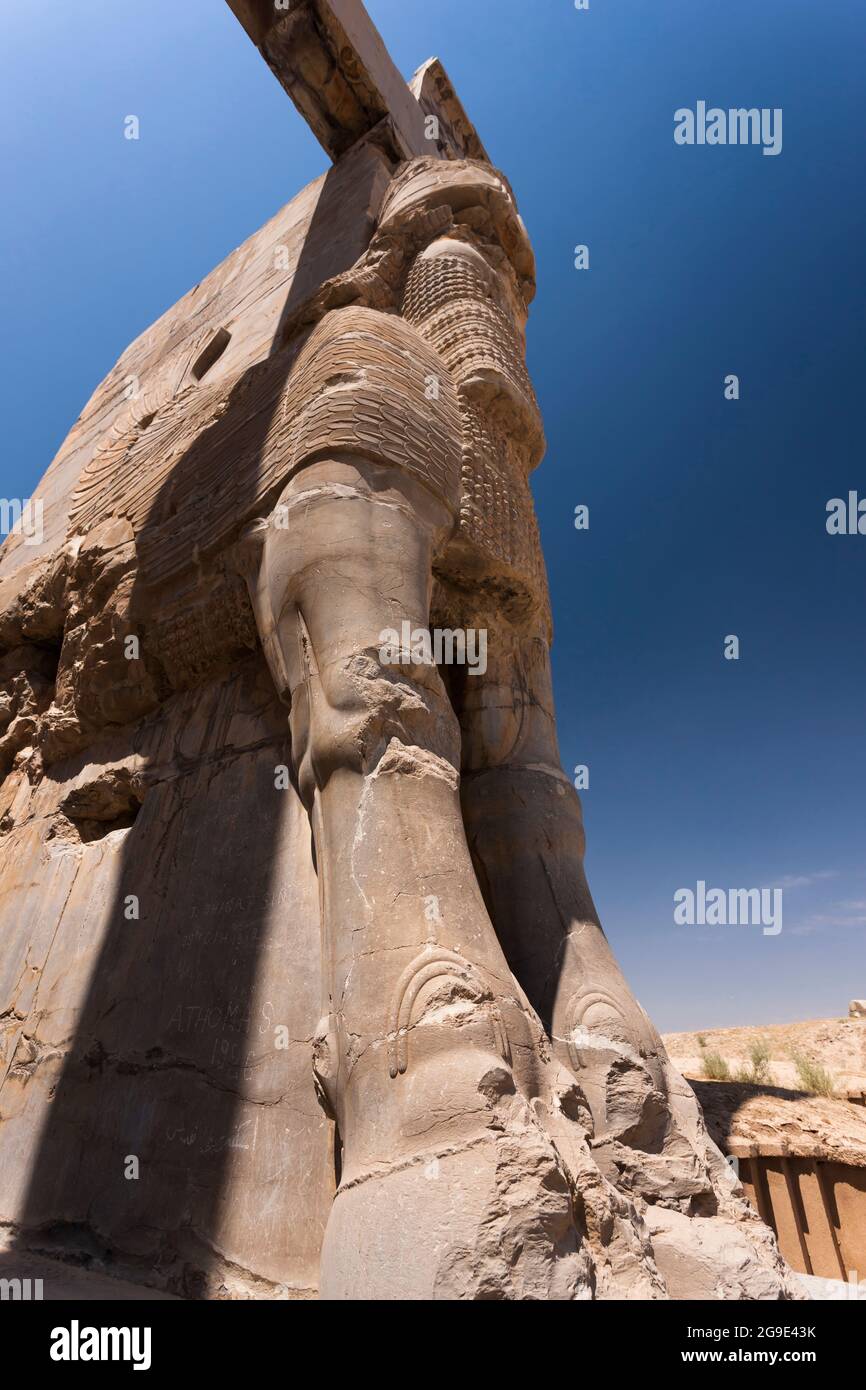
(413, 1063)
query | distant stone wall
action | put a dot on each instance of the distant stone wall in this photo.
(816, 1208)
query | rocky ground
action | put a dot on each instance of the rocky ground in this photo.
(61, 1282)
(837, 1044)
(775, 1119)
(780, 1110)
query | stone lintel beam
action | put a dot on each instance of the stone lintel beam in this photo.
(330, 58)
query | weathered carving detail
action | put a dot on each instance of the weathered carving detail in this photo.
(205, 635)
(451, 297)
(200, 465)
(458, 304)
(362, 385)
(595, 1013)
(434, 963)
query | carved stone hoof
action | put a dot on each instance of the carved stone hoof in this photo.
(607, 1052)
(488, 1215)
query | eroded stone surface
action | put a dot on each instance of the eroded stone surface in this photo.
(337, 987)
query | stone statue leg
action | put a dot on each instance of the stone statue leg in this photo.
(525, 830)
(450, 1187)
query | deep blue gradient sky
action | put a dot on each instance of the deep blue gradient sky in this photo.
(706, 516)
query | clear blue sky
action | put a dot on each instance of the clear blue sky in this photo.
(706, 516)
